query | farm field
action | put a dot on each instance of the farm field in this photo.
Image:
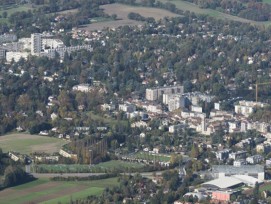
(110, 166)
(186, 6)
(26, 143)
(122, 12)
(46, 191)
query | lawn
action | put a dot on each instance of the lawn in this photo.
(46, 191)
(110, 166)
(187, 6)
(26, 143)
(12, 9)
(266, 186)
(109, 121)
(82, 194)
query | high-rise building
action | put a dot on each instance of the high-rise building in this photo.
(155, 93)
(36, 43)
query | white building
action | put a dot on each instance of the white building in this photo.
(48, 43)
(16, 56)
(247, 107)
(255, 159)
(82, 87)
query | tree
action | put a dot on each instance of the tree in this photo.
(5, 14)
(194, 151)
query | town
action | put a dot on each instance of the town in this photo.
(174, 110)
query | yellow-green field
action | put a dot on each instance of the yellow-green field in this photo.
(26, 143)
(50, 192)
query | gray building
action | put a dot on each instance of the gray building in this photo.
(156, 93)
(256, 171)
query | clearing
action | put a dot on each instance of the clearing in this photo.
(46, 191)
(122, 12)
(26, 143)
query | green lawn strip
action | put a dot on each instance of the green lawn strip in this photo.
(101, 183)
(110, 121)
(78, 195)
(34, 195)
(31, 184)
(95, 188)
(24, 145)
(98, 168)
(119, 164)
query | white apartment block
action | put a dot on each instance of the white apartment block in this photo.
(155, 93)
(48, 43)
(16, 56)
(174, 102)
(247, 107)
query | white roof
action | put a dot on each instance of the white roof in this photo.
(249, 180)
(223, 182)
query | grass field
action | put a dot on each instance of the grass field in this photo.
(12, 9)
(25, 143)
(186, 6)
(110, 166)
(46, 191)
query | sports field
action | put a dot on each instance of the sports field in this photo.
(26, 143)
(104, 167)
(50, 192)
